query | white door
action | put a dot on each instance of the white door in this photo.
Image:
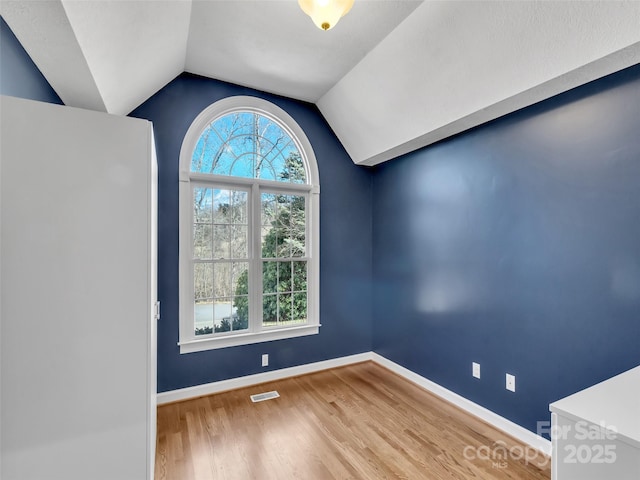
(77, 286)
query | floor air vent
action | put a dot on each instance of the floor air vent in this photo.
(261, 397)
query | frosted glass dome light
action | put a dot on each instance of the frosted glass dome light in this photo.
(325, 13)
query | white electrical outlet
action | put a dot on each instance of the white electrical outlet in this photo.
(265, 359)
(476, 369)
(511, 382)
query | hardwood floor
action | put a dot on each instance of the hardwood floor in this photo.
(356, 422)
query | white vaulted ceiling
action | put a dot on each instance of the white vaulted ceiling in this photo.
(114, 54)
(273, 46)
(103, 55)
(392, 76)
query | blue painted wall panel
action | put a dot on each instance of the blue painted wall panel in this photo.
(19, 76)
(516, 245)
(345, 243)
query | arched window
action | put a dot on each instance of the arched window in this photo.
(249, 227)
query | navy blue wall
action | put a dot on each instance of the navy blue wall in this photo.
(345, 243)
(516, 245)
(19, 76)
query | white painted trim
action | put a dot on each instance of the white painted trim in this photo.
(519, 433)
(212, 343)
(249, 380)
(507, 426)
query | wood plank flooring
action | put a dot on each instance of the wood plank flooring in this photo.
(356, 422)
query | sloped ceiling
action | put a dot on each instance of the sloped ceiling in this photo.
(453, 65)
(391, 77)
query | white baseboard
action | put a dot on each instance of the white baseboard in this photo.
(248, 380)
(521, 434)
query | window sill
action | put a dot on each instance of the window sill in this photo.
(210, 343)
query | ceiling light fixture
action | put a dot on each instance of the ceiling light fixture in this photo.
(325, 13)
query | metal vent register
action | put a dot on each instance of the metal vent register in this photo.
(261, 397)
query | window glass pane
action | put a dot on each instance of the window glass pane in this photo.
(203, 320)
(207, 151)
(239, 207)
(221, 241)
(239, 246)
(221, 206)
(269, 277)
(222, 161)
(268, 201)
(294, 171)
(227, 318)
(240, 278)
(222, 280)
(282, 219)
(284, 226)
(269, 310)
(267, 170)
(235, 124)
(240, 313)
(278, 167)
(300, 276)
(243, 165)
(202, 281)
(248, 144)
(269, 129)
(269, 233)
(268, 242)
(284, 277)
(202, 241)
(240, 285)
(299, 313)
(298, 226)
(239, 143)
(203, 303)
(287, 164)
(283, 249)
(222, 311)
(285, 307)
(202, 205)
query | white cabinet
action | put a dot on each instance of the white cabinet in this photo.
(596, 432)
(78, 289)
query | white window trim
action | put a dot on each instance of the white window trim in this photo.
(188, 341)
